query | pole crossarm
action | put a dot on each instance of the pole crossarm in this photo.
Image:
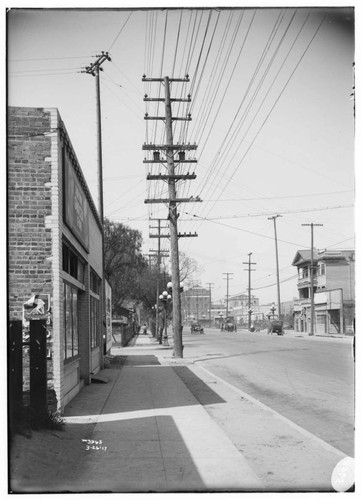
(94, 67)
(161, 99)
(163, 177)
(172, 147)
(145, 79)
(187, 235)
(163, 118)
(175, 200)
(165, 161)
(161, 252)
(180, 235)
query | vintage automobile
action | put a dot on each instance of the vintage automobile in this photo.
(230, 326)
(196, 328)
(276, 326)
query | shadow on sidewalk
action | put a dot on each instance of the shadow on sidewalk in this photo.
(142, 384)
(141, 455)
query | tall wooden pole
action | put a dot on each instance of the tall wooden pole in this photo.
(311, 293)
(158, 279)
(93, 70)
(249, 264)
(176, 294)
(277, 261)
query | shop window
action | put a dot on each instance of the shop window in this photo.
(72, 264)
(95, 321)
(95, 282)
(71, 333)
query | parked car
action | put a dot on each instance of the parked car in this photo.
(276, 326)
(230, 326)
(197, 328)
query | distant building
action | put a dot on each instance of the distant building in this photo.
(196, 304)
(334, 291)
(239, 307)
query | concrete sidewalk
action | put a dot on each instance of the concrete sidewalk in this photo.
(148, 433)
(145, 431)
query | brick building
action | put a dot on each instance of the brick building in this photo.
(54, 248)
(196, 304)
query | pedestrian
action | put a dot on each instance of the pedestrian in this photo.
(144, 329)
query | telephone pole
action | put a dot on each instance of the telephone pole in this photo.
(273, 218)
(227, 293)
(312, 225)
(94, 70)
(172, 201)
(249, 264)
(210, 302)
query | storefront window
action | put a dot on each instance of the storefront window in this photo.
(70, 321)
(94, 303)
(72, 264)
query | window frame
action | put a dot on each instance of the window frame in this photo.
(71, 322)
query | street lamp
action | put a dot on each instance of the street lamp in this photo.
(165, 298)
(157, 310)
(250, 312)
(273, 309)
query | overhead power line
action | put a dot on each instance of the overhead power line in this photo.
(120, 31)
(281, 197)
(250, 232)
(50, 58)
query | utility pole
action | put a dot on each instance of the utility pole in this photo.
(249, 264)
(94, 70)
(210, 302)
(159, 254)
(273, 218)
(312, 225)
(172, 201)
(227, 293)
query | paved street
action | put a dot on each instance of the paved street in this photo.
(309, 381)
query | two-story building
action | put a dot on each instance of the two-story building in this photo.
(334, 291)
(239, 307)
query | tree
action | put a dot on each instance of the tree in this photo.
(189, 267)
(124, 262)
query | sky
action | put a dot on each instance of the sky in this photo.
(272, 118)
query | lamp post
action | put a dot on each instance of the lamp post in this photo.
(157, 310)
(250, 312)
(272, 310)
(165, 298)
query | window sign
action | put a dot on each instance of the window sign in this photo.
(75, 204)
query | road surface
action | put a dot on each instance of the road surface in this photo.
(309, 381)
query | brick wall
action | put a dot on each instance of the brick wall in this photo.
(29, 202)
